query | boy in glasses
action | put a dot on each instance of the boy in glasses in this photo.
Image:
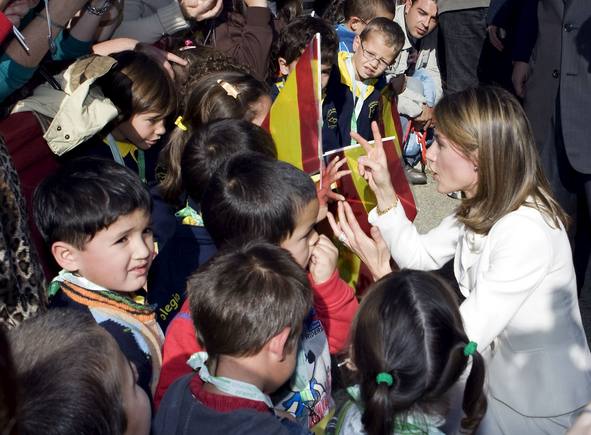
(353, 92)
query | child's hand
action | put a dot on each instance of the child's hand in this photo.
(201, 10)
(323, 260)
(330, 174)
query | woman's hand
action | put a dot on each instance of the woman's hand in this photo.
(374, 168)
(373, 250)
(330, 174)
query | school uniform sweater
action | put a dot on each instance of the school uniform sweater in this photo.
(188, 409)
(131, 324)
(183, 251)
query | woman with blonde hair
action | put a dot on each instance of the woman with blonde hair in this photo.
(512, 258)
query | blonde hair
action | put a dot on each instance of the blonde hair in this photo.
(489, 126)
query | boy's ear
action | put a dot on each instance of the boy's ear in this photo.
(356, 43)
(284, 69)
(356, 24)
(65, 256)
(277, 344)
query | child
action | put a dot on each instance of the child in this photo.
(222, 95)
(357, 14)
(94, 214)
(183, 242)
(292, 40)
(248, 306)
(254, 197)
(352, 97)
(113, 107)
(201, 61)
(72, 379)
(408, 349)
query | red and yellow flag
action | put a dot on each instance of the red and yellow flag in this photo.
(295, 117)
(390, 127)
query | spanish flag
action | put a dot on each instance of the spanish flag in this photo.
(295, 117)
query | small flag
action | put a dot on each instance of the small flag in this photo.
(295, 117)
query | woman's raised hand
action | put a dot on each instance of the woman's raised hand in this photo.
(373, 250)
(374, 167)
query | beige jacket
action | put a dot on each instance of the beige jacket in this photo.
(79, 111)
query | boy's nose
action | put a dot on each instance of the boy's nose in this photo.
(141, 249)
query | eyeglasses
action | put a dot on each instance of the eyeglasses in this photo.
(371, 57)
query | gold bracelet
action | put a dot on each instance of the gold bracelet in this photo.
(383, 212)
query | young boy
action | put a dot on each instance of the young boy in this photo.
(253, 197)
(293, 40)
(357, 14)
(353, 93)
(94, 215)
(248, 306)
(71, 379)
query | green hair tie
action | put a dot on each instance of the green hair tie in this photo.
(470, 348)
(384, 378)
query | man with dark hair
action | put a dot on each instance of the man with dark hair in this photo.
(415, 75)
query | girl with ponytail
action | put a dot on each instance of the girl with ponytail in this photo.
(215, 96)
(408, 349)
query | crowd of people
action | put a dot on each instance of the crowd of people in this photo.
(162, 271)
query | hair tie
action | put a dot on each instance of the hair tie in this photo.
(470, 348)
(179, 124)
(230, 89)
(384, 378)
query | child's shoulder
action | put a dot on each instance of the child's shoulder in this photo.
(181, 412)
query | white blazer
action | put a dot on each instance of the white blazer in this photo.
(521, 304)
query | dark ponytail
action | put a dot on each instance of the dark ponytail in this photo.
(474, 403)
(409, 327)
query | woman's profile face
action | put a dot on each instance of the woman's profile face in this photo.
(451, 170)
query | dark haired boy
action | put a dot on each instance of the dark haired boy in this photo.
(253, 197)
(94, 215)
(248, 306)
(293, 40)
(353, 92)
(357, 14)
(72, 378)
